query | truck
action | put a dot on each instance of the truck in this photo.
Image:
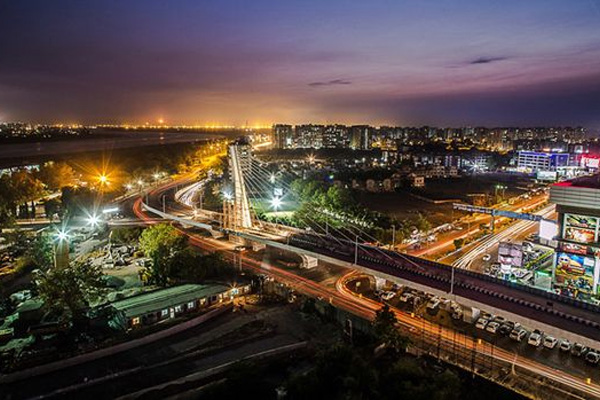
(471, 314)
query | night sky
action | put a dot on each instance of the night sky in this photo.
(398, 62)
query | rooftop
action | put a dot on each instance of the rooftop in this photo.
(165, 298)
(589, 181)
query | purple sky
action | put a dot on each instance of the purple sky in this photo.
(421, 62)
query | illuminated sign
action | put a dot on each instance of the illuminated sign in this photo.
(575, 272)
(547, 175)
(580, 228)
(510, 254)
(548, 229)
(590, 162)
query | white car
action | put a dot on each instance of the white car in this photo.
(535, 339)
(593, 357)
(482, 323)
(388, 296)
(492, 327)
(518, 334)
(550, 342)
(565, 345)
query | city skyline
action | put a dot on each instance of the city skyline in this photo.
(381, 63)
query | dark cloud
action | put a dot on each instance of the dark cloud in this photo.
(333, 82)
(486, 60)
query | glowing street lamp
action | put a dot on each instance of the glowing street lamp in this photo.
(276, 203)
(103, 179)
(93, 220)
(228, 195)
(62, 235)
(129, 186)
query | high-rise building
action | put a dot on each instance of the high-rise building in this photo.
(283, 136)
(335, 137)
(309, 136)
(360, 137)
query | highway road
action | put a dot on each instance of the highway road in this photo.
(470, 227)
(366, 308)
(482, 247)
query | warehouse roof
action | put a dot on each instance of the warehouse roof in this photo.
(165, 298)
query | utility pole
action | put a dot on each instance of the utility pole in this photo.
(393, 237)
(356, 251)
(452, 281)
(163, 204)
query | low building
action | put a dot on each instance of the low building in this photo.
(163, 304)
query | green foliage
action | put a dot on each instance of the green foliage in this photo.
(345, 372)
(458, 243)
(386, 331)
(17, 189)
(340, 373)
(56, 175)
(77, 201)
(161, 243)
(332, 204)
(41, 251)
(126, 235)
(70, 290)
(191, 266)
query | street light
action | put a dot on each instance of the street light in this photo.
(103, 179)
(276, 202)
(62, 235)
(93, 220)
(227, 195)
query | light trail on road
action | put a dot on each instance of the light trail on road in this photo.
(482, 247)
(366, 308)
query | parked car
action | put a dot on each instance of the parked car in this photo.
(433, 304)
(579, 350)
(482, 322)
(492, 327)
(507, 327)
(535, 338)
(388, 296)
(406, 297)
(550, 342)
(518, 334)
(565, 345)
(593, 357)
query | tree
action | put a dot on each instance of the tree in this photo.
(190, 266)
(386, 331)
(126, 235)
(458, 243)
(161, 243)
(77, 200)
(40, 253)
(51, 208)
(69, 291)
(56, 175)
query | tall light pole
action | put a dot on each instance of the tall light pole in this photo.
(356, 251)
(61, 249)
(276, 203)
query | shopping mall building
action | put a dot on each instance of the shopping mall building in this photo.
(577, 260)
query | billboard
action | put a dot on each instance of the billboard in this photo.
(548, 229)
(510, 254)
(547, 176)
(575, 271)
(590, 162)
(580, 228)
